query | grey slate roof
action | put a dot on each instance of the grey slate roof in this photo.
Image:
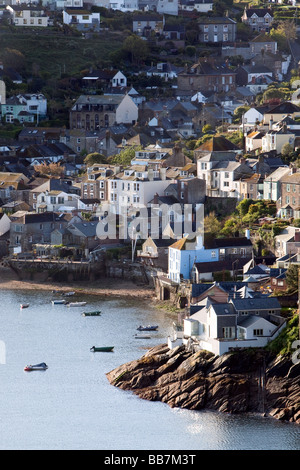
(265, 303)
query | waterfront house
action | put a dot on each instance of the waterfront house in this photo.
(184, 254)
(30, 228)
(239, 323)
(154, 252)
(84, 236)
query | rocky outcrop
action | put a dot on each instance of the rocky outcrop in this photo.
(236, 382)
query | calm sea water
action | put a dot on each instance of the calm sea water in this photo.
(73, 406)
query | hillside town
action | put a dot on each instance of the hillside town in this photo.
(216, 127)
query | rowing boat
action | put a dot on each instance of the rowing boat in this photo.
(102, 349)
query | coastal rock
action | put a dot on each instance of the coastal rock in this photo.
(236, 382)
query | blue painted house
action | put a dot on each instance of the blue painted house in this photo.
(184, 253)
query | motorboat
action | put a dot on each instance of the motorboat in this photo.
(69, 294)
(142, 337)
(101, 349)
(147, 328)
(41, 366)
(91, 314)
(76, 304)
(24, 305)
(58, 302)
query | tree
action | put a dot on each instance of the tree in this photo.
(136, 47)
(207, 128)
(93, 158)
(287, 150)
(125, 156)
(53, 170)
(212, 224)
(292, 277)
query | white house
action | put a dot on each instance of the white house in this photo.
(28, 16)
(240, 323)
(222, 176)
(119, 80)
(127, 5)
(56, 201)
(4, 224)
(136, 186)
(276, 139)
(167, 7)
(2, 92)
(81, 19)
(127, 111)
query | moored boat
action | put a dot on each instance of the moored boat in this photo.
(24, 305)
(41, 366)
(69, 294)
(147, 328)
(92, 314)
(58, 302)
(142, 337)
(76, 304)
(102, 349)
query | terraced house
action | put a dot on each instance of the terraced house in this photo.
(207, 75)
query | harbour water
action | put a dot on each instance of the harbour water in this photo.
(72, 406)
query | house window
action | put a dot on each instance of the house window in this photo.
(258, 332)
(229, 332)
(213, 254)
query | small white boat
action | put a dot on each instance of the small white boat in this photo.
(41, 366)
(69, 294)
(58, 302)
(76, 304)
(24, 305)
(142, 337)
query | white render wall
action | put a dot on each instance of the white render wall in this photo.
(127, 111)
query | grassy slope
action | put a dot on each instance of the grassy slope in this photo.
(55, 52)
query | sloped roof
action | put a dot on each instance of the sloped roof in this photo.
(263, 303)
(180, 244)
(218, 144)
(263, 37)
